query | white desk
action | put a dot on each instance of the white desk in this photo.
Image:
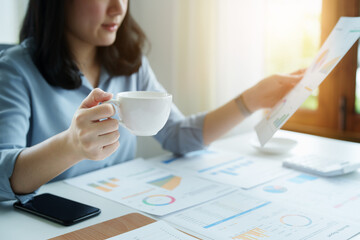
(19, 225)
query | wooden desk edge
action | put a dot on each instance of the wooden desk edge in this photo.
(110, 228)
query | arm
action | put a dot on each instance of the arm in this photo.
(263, 95)
(181, 135)
(87, 138)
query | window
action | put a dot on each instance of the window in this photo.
(357, 99)
(337, 113)
(292, 38)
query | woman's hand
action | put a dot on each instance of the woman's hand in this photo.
(270, 90)
(90, 138)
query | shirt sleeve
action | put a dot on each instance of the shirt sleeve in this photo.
(14, 124)
(180, 134)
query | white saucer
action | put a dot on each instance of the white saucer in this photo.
(275, 145)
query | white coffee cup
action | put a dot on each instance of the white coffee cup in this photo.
(143, 113)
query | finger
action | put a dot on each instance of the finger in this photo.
(110, 149)
(291, 79)
(299, 72)
(108, 138)
(296, 79)
(95, 97)
(100, 112)
(106, 126)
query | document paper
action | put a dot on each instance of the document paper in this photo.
(158, 230)
(339, 196)
(148, 188)
(240, 216)
(228, 168)
(343, 36)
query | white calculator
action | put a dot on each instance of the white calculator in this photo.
(320, 165)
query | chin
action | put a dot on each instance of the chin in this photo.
(106, 42)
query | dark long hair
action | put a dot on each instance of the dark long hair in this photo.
(44, 22)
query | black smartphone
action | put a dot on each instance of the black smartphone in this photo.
(58, 209)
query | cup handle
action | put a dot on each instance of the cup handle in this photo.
(117, 103)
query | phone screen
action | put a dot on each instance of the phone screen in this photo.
(58, 209)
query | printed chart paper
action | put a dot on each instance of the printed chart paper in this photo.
(158, 230)
(228, 168)
(239, 216)
(344, 35)
(339, 196)
(149, 188)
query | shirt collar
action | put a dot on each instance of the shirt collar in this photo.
(104, 77)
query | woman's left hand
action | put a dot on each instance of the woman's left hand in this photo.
(271, 90)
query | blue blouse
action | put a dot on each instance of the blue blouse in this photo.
(32, 111)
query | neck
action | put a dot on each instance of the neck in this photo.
(84, 53)
(85, 57)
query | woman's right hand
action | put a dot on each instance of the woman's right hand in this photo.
(89, 137)
(271, 90)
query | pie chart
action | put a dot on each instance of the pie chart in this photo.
(295, 220)
(158, 200)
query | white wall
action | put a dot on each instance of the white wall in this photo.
(11, 16)
(157, 19)
(240, 52)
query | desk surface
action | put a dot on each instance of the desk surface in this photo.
(19, 225)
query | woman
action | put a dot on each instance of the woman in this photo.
(50, 95)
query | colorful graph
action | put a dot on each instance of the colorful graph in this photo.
(294, 220)
(329, 65)
(232, 170)
(279, 121)
(274, 112)
(275, 189)
(169, 182)
(308, 88)
(158, 200)
(105, 185)
(320, 60)
(253, 234)
(230, 167)
(302, 178)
